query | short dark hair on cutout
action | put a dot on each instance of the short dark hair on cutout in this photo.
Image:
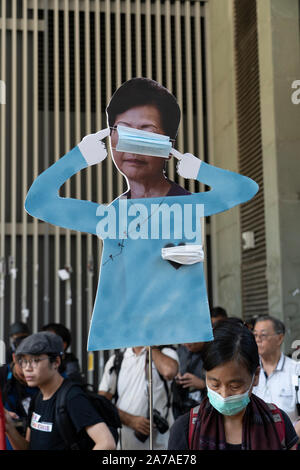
(59, 330)
(278, 325)
(232, 341)
(142, 91)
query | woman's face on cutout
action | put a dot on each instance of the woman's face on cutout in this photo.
(138, 167)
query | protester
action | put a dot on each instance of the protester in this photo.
(16, 331)
(39, 355)
(70, 367)
(189, 385)
(126, 379)
(217, 314)
(279, 374)
(231, 416)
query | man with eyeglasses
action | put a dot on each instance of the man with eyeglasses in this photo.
(39, 356)
(279, 378)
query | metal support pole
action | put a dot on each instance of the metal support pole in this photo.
(150, 384)
(46, 161)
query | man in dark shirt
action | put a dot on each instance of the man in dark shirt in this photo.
(189, 385)
(39, 355)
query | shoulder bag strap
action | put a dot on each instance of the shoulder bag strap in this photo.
(62, 419)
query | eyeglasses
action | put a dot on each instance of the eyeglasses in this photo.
(264, 336)
(32, 362)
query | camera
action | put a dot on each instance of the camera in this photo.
(141, 437)
(161, 424)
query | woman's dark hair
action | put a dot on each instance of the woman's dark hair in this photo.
(232, 341)
(144, 91)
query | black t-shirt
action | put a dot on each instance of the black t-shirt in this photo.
(44, 433)
(179, 433)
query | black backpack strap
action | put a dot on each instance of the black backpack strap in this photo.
(116, 367)
(62, 419)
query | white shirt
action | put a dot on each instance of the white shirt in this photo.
(278, 387)
(133, 395)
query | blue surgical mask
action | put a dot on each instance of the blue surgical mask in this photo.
(143, 142)
(231, 405)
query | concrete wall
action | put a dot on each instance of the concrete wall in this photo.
(279, 64)
(225, 227)
(279, 60)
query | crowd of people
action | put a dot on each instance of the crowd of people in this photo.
(239, 391)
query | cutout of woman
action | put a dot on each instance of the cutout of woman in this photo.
(142, 298)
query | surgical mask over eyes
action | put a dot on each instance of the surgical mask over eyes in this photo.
(142, 142)
(231, 405)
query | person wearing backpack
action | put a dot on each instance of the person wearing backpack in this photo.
(39, 355)
(125, 380)
(231, 417)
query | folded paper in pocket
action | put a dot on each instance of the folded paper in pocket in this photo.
(183, 254)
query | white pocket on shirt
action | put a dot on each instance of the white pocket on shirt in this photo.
(286, 399)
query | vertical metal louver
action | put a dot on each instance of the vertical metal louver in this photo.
(61, 61)
(252, 215)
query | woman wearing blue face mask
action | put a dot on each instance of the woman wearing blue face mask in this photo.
(231, 417)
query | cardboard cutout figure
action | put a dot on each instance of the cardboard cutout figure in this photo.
(152, 287)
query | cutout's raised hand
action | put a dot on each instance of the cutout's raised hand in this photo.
(92, 147)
